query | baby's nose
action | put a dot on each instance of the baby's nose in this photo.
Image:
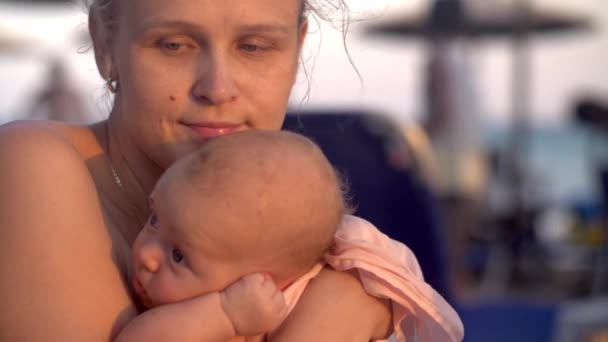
(149, 258)
(151, 265)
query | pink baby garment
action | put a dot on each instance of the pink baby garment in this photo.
(388, 269)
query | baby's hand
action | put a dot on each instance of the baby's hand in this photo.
(254, 304)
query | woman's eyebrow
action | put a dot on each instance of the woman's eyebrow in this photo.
(265, 28)
(163, 23)
(180, 24)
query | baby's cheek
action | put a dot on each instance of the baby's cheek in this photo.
(170, 292)
(163, 296)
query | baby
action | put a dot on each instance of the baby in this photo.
(232, 225)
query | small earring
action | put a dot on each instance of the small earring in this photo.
(112, 85)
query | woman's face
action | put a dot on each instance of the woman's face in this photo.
(190, 70)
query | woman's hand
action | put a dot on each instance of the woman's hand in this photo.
(335, 307)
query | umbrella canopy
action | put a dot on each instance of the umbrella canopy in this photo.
(10, 41)
(453, 17)
(41, 1)
(37, 28)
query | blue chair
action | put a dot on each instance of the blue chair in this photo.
(393, 199)
(604, 181)
(402, 206)
(508, 320)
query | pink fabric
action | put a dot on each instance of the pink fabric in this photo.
(294, 291)
(388, 269)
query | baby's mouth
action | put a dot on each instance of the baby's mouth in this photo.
(139, 289)
(142, 295)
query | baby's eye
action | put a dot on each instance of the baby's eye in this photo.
(177, 255)
(154, 220)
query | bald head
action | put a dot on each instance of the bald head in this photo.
(281, 193)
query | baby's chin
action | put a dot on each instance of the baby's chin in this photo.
(144, 302)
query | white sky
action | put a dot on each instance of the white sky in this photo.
(391, 69)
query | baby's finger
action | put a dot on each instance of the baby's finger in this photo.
(278, 300)
(269, 282)
(278, 296)
(254, 278)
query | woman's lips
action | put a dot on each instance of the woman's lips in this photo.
(214, 129)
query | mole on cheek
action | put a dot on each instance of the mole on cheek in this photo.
(172, 98)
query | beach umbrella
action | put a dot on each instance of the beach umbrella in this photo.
(42, 1)
(477, 19)
(483, 19)
(11, 41)
(34, 28)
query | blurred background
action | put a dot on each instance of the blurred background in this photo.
(474, 131)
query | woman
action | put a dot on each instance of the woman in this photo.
(73, 198)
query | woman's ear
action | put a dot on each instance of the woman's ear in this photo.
(302, 33)
(101, 46)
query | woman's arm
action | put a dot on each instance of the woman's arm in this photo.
(335, 307)
(58, 280)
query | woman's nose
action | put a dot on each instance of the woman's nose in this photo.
(215, 83)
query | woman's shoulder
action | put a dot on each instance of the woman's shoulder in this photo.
(41, 142)
(42, 166)
(46, 159)
(54, 241)
(18, 136)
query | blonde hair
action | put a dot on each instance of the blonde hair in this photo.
(105, 11)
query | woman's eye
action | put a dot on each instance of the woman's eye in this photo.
(154, 221)
(250, 47)
(172, 46)
(177, 255)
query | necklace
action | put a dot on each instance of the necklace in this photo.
(116, 178)
(135, 212)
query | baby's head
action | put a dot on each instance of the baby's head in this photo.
(255, 201)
